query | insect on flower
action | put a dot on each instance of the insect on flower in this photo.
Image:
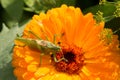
(42, 45)
(45, 47)
(83, 48)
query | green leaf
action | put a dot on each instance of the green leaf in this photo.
(68, 2)
(29, 3)
(5, 29)
(116, 0)
(6, 45)
(114, 24)
(43, 5)
(106, 8)
(8, 20)
(33, 5)
(6, 73)
(14, 8)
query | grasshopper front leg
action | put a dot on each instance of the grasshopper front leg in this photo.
(55, 59)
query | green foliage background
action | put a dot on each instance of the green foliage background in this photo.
(14, 15)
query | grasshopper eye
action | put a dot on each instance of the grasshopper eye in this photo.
(59, 43)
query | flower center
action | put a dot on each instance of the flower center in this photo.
(74, 60)
(69, 56)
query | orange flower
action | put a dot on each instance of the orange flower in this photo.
(88, 52)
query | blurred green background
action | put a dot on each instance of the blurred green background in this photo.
(15, 14)
(18, 12)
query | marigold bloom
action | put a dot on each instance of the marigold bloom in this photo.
(84, 44)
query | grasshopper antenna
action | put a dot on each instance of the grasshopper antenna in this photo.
(34, 34)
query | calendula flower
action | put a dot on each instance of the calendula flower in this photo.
(64, 44)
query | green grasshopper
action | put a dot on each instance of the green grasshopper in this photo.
(44, 46)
